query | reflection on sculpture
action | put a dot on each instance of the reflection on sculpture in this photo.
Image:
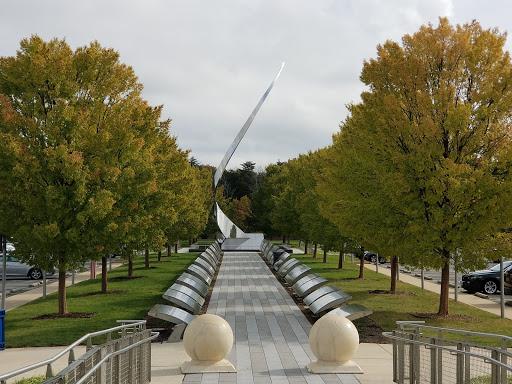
(226, 226)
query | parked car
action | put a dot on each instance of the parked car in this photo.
(17, 268)
(507, 283)
(372, 257)
(487, 280)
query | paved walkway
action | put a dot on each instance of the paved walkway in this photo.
(271, 336)
(271, 333)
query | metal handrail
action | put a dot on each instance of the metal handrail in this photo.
(115, 353)
(451, 350)
(49, 361)
(417, 324)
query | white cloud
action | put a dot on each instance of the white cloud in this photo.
(210, 62)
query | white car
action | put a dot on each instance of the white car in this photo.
(17, 268)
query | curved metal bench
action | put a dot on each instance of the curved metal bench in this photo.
(308, 284)
(281, 261)
(213, 262)
(176, 287)
(328, 301)
(315, 295)
(296, 273)
(200, 262)
(199, 273)
(287, 266)
(351, 311)
(193, 282)
(183, 301)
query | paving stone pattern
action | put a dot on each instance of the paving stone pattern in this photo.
(271, 333)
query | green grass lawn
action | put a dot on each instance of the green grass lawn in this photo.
(389, 308)
(142, 293)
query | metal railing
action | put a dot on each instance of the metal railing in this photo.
(424, 354)
(126, 359)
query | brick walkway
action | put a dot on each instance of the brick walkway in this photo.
(271, 333)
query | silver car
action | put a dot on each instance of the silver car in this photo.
(16, 268)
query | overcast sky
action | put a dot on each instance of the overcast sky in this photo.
(209, 62)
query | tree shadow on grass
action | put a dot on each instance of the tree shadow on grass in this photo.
(103, 293)
(387, 292)
(449, 316)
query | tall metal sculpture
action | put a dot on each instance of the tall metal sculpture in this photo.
(226, 226)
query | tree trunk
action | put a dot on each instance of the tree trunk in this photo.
(306, 246)
(284, 239)
(394, 262)
(340, 260)
(104, 282)
(314, 253)
(175, 248)
(445, 286)
(146, 258)
(361, 265)
(325, 255)
(63, 305)
(130, 267)
(169, 252)
(159, 256)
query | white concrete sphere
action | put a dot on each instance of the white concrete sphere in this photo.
(208, 338)
(334, 338)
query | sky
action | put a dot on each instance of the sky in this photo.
(209, 62)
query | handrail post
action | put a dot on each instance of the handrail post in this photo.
(433, 362)
(459, 372)
(71, 357)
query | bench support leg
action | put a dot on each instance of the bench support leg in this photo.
(177, 332)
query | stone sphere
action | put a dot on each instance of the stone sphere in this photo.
(334, 338)
(208, 338)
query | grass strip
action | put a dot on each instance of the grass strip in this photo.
(389, 308)
(141, 295)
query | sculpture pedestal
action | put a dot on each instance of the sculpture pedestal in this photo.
(333, 367)
(197, 366)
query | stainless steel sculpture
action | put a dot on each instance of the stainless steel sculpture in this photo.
(239, 137)
(226, 226)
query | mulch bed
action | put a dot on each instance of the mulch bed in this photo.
(386, 292)
(72, 315)
(104, 293)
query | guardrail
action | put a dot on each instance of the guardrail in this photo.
(424, 354)
(121, 360)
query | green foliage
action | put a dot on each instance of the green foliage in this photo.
(421, 167)
(89, 169)
(31, 380)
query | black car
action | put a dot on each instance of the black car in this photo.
(486, 281)
(372, 257)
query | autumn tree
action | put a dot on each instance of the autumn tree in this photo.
(75, 130)
(421, 167)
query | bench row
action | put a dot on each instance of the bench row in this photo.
(311, 288)
(188, 292)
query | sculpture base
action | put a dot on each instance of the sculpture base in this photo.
(333, 367)
(197, 366)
